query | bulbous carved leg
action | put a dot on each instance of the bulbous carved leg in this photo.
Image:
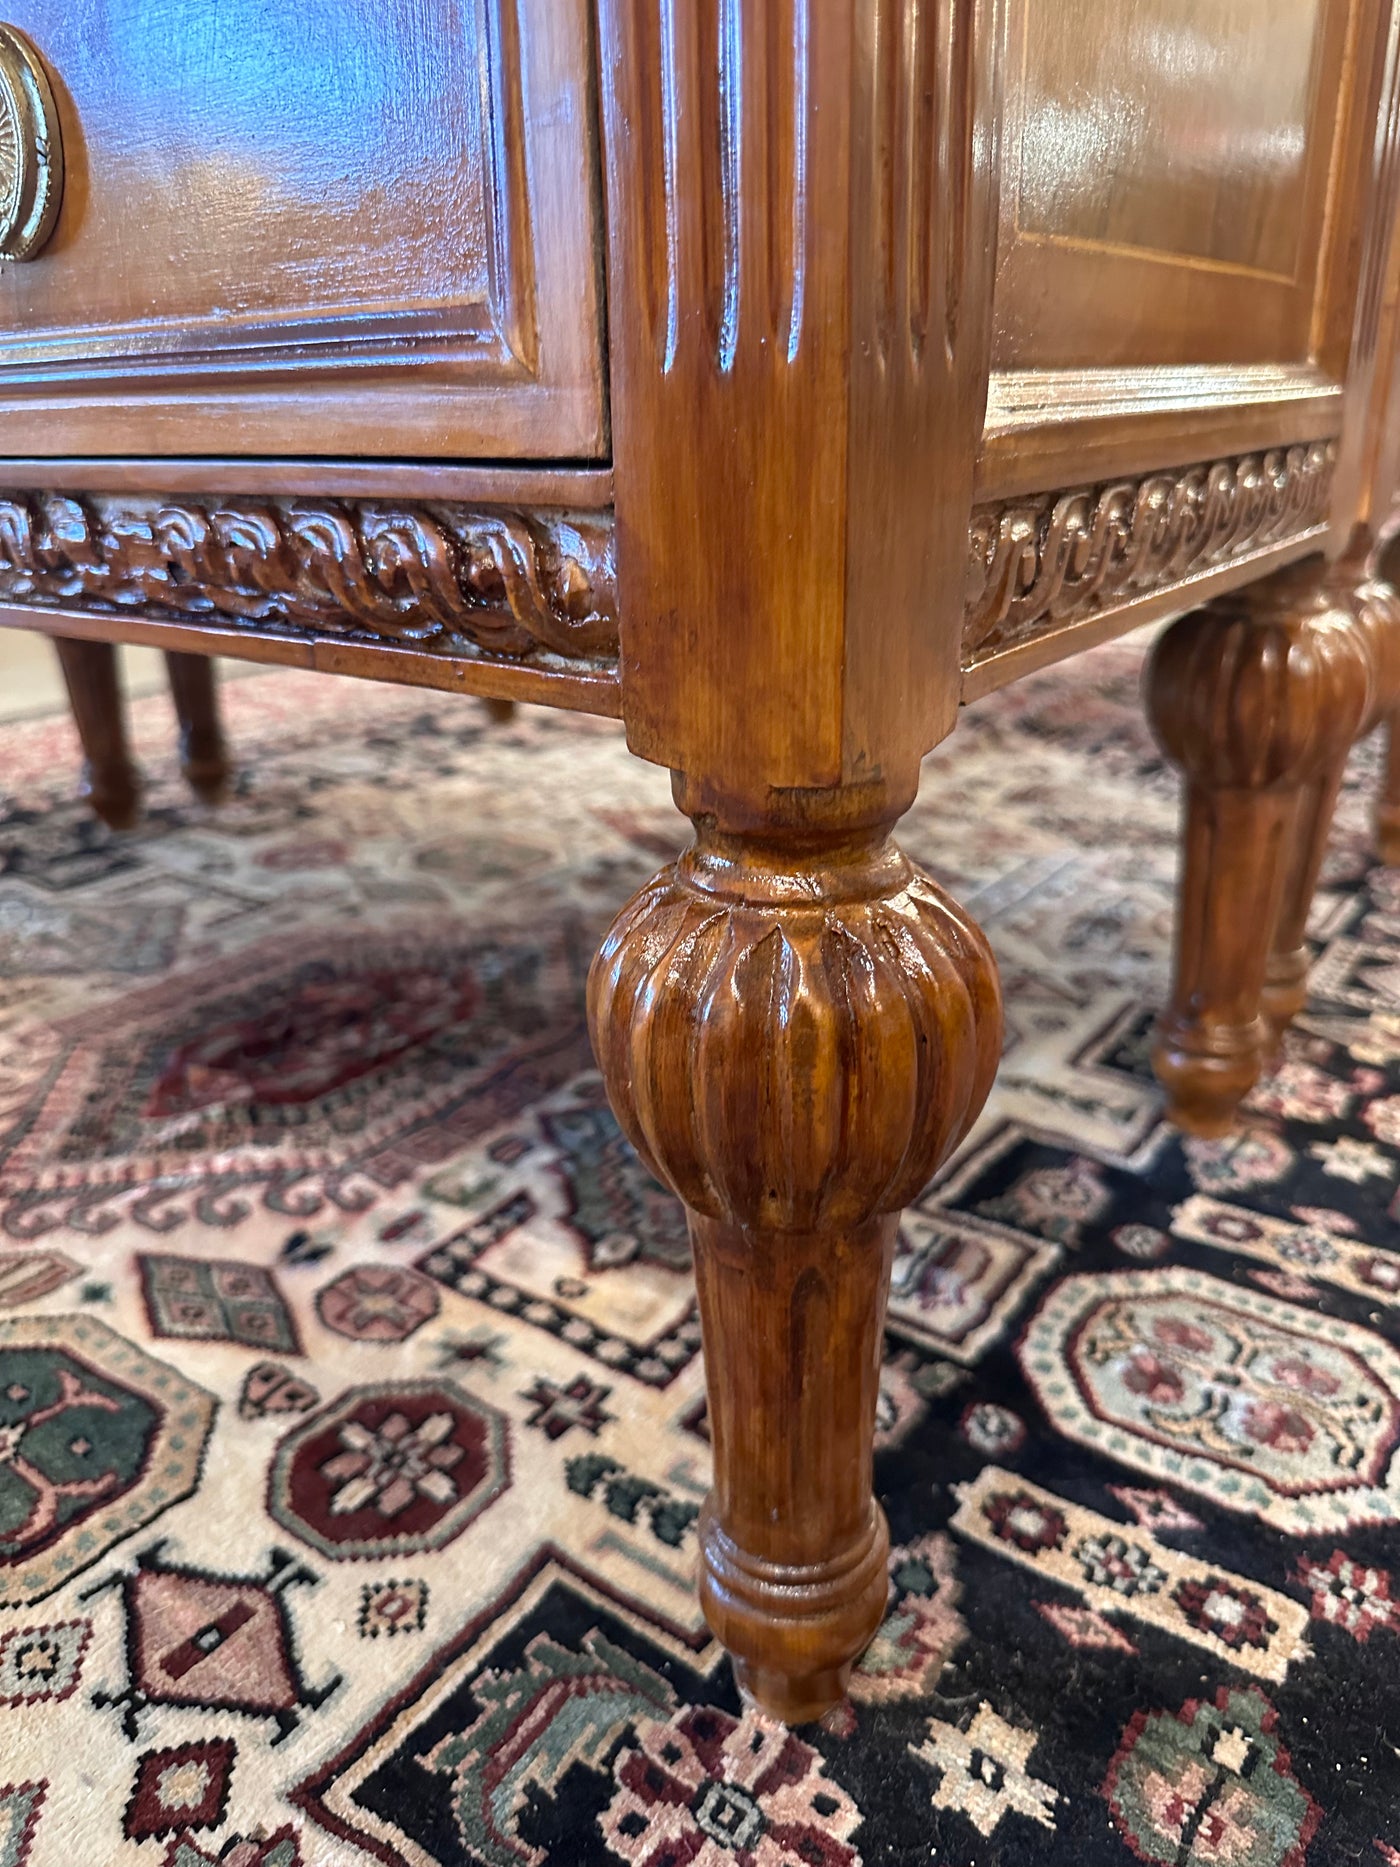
(203, 753)
(1371, 611)
(1258, 698)
(795, 1031)
(110, 781)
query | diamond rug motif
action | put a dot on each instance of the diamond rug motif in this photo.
(352, 1425)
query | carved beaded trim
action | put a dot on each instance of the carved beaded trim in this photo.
(1054, 559)
(442, 578)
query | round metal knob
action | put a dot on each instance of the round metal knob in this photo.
(31, 149)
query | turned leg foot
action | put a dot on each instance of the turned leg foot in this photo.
(110, 782)
(795, 1030)
(1257, 698)
(794, 1575)
(203, 753)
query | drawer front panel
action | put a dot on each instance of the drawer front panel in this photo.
(339, 225)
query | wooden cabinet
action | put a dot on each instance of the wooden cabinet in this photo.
(366, 228)
(776, 375)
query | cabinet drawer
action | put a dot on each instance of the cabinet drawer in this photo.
(335, 226)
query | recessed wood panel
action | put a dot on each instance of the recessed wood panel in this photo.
(1178, 127)
(1165, 175)
(358, 225)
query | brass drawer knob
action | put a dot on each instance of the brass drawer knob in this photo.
(31, 150)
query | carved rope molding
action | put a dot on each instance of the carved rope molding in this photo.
(1043, 563)
(442, 578)
(540, 586)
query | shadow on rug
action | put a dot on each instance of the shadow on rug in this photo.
(352, 1427)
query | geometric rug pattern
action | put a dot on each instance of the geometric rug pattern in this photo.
(352, 1428)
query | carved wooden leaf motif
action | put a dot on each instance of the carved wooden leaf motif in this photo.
(440, 576)
(861, 1010)
(1045, 562)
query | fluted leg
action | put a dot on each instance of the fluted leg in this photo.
(203, 752)
(110, 782)
(1290, 958)
(1257, 698)
(795, 1027)
(1371, 611)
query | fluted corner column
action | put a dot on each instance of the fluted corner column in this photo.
(796, 1026)
(1257, 698)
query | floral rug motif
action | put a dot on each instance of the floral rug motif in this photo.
(352, 1421)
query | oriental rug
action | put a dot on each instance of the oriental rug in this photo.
(352, 1424)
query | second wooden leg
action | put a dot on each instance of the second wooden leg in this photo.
(1370, 610)
(203, 752)
(795, 1027)
(110, 781)
(1290, 958)
(1257, 698)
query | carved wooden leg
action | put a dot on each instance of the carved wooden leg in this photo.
(500, 712)
(1257, 698)
(1371, 610)
(1388, 803)
(796, 1027)
(203, 753)
(1290, 957)
(110, 782)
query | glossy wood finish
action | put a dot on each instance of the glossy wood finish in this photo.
(507, 583)
(110, 781)
(795, 1028)
(578, 689)
(1171, 164)
(1371, 609)
(879, 434)
(1069, 569)
(513, 484)
(1257, 699)
(802, 211)
(1180, 131)
(1265, 748)
(368, 227)
(1115, 361)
